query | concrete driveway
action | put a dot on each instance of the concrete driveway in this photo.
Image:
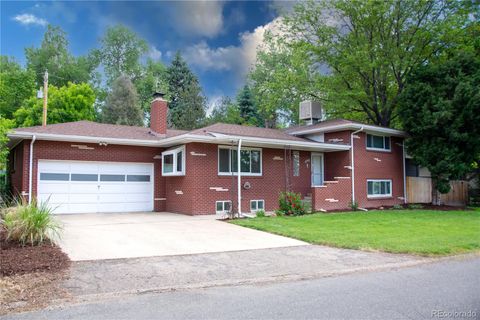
(133, 235)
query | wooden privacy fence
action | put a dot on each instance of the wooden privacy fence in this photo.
(419, 190)
(458, 195)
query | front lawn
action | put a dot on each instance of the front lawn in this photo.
(423, 232)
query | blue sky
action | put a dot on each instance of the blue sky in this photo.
(218, 38)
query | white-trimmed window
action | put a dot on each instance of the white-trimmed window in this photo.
(377, 188)
(250, 161)
(173, 162)
(256, 205)
(380, 143)
(224, 206)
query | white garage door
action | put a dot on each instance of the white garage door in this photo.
(82, 187)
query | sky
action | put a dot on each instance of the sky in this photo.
(217, 38)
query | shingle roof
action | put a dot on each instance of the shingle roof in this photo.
(103, 130)
(323, 124)
(246, 131)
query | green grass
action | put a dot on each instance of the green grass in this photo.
(422, 232)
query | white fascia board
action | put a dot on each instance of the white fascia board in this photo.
(265, 142)
(84, 139)
(185, 138)
(351, 126)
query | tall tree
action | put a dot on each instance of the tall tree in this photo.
(248, 107)
(120, 53)
(16, 85)
(72, 102)
(152, 79)
(225, 111)
(186, 99)
(370, 47)
(5, 126)
(53, 55)
(281, 78)
(122, 105)
(440, 109)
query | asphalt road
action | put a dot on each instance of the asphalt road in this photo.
(443, 290)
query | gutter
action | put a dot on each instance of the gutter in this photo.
(181, 139)
(353, 163)
(30, 168)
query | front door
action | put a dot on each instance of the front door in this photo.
(317, 169)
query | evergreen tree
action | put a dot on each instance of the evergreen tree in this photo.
(122, 105)
(440, 109)
(225, 111)
(187, 104)
(248, 108)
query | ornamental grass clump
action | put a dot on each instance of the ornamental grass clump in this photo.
(31, 224)
(290, 204)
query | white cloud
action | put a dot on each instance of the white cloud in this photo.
(233, 58)
(200, 18)
(29, 19)
(154, 53)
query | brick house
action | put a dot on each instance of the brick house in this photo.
(83, 166)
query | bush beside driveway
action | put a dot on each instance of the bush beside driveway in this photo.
(422, 232)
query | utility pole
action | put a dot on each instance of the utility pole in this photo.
(45, 97)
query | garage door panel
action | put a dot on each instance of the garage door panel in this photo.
(113, 188)
(81, 208)
(83, 198)
(83, 187)
(109, 194)
(137, 197)
(54, 198)
(54, 187)
(53, 166)
(84, 167)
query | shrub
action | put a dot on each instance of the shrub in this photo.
(397, 207)
(31, 224)
(291, 204)
(415, 206)
(260, 213)
(353, 205)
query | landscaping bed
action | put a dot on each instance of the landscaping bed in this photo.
(18, 259)
(421, 232)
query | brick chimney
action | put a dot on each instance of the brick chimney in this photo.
(158, 114)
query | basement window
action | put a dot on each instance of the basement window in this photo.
(256, 205)
(379, 143)
(173, 162)
(379, 188)
(222, 207)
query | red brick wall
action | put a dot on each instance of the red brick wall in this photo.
(390, 166)
(16, 170)
(367, 166)
(114, 153)
(202, 174)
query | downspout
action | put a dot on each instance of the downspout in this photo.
(30, 168)
(353, 163)
(404, 174)
(239, 179)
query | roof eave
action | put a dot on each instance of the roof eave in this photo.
(186, 138)
(350, 126)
